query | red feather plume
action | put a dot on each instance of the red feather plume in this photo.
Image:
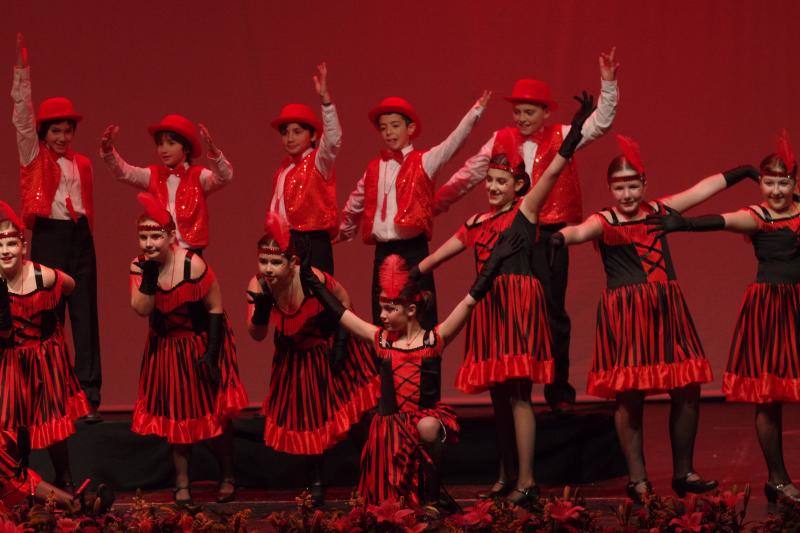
(505, 143)
(6, 213)
(785, 151)
(153, 209)
(630, 149)
(277, 228)
(393, 276)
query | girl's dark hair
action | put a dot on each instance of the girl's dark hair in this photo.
(45, 126)
(178, 138)
(308, 127)
(774, 164)
(519, 172)
(620, 164)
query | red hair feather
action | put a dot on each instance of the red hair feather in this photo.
(505, 144)
(785, 151)
(276, 228)
(6, 213)
(154, 210)
(393, 276)
(630, 149)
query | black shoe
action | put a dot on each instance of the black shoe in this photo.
(524, 497)
(682, 485)
(317, 491)
(634, 494)
(183, 502)
(100, 504)
(776, 492)
(505, 488)
(92, 418)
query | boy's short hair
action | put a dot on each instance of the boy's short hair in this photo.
(178, 138)
(406, 118)
(44, 126)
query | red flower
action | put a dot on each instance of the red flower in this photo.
(478, 515)
(7, 526)
(727, 498)
(563, 510)
(391, 511)
(67, 525)
(688, 523)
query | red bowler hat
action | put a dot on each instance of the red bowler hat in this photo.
(183, 127)
(395, 104)
(56, 108)
(300, 113)
(534, 91)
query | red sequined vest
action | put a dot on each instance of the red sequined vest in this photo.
(414, 193)
(309, 199)
(38, 182)
(191, 211)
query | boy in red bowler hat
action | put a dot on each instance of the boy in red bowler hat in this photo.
(532, 103)
(394, 199)
(179, 183)
(304, 186)
(56, 189)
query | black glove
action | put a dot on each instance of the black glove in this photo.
(263, 303)
(661, 225)
(735, 175)
(24, 451)
(339, 349)
(149, 276)
(504, 248)
(6, 322)
(573, 138)
(554, 243)
(210, 358)
(415, 275)
(314, 287)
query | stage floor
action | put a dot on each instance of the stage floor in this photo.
(727, 449)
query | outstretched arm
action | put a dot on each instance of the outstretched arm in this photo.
(708, 187)
(464, 180)
(23, 116)
(451, 247)
(738, 222)
(136, 176)
(588, 230)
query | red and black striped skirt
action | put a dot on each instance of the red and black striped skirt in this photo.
(176, 399)
(393, 453)
(764, 361)
(311, 406)
(645, 340)
(39, 390)
(508, 336)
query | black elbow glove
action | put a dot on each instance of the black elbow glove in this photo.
(504, 248)
(573, 138)
(209, 361)
(312, 285)
(6, 322)
(735, 175)
(662, 225)
(149, 276)
(262, 303)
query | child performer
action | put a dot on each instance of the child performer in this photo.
(646, 342)
(39, 391)
(189, 388)
(508, 335)
(304, 186)
(393, 200)
(764, 363)
(179, 184)
(56, 188)
(343, 377)
(537, 142)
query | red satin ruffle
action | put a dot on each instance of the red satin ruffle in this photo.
(652, 379)
(177, 431)
(474, 378)
(764, 389)
(55, 430)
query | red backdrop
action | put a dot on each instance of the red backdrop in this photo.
(704, 86)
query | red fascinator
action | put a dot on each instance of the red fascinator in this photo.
(785, 152)
(276, 228)
(393, 278)
(156, 212)
(6, 213)
(630, 150)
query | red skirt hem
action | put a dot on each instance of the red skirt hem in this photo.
(474, 378)
(764, 389)
(233, 400)
(652, 379)
(315, 442)
(52, 431)
(177, 431)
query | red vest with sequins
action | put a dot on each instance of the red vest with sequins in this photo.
(564, 204)
(191, 211)
(414, 194)
(38, 182)
(309, 199)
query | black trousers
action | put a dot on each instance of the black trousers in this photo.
(554, 280)
(318, 244)
(413, 251)
(69, 247)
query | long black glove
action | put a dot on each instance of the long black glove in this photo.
(210, 358)
(313, 286)
(663, 224)
(504, 248)
(554, 243)
(6, 322)
(262, 302)
(735, 175)
(573, 138)
(24, 451)
(149, 282)
(415, 275)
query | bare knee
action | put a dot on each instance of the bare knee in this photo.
(429, 429)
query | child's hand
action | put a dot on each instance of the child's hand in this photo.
(608, 65)
(321, 83)
(484, 99)
(208, 142)
(107, 140)
(22, 52)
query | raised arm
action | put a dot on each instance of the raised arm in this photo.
(599, 122)
(221, 171)
(23, 116)
(331, 140)
(135, 176)
(451, 247)
(435, 158)
(708, 187)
